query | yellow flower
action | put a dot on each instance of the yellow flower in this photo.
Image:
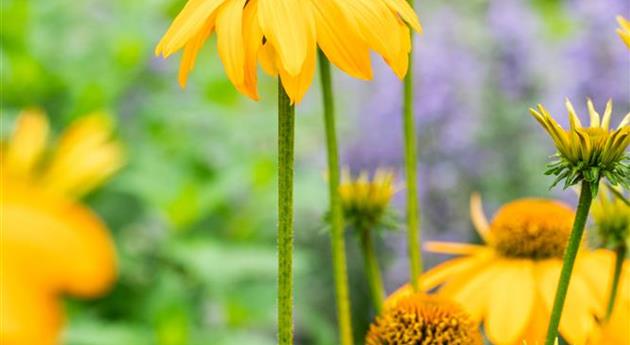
(422, 319)
(50, 244)
(510, 281)
(611, 215)
(283, 35)
(365, 202)
(624, 30)
(615, 331)
(588, 153)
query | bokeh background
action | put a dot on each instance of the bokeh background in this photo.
(193, 211)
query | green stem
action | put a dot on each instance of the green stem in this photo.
(411, 166)
(373, 272)
(584, 205)
(338, 245)
(286, 120)
(619, 258)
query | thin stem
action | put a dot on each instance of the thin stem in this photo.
(620, 256)
(338, 245)
(584, 205)
(373, 272)
(286, 119)
(411, 173)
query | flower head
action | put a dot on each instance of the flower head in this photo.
(510, 281)
(611, 215)
(50, 244)
(283, 36)
(588, 153)
(365, 201)
(422, 319)
(624, 30)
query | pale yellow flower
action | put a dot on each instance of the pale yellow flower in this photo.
(283, 36)
(422, 319)
(510, 281)
(51, 244)
(615, 331)
(624, 30)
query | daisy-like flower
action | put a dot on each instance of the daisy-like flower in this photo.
(611, 216)
(50, 244)
(624, 30)
(510, 281)
(365, 201)
(283, 36)
(422, 319)
(588, 153)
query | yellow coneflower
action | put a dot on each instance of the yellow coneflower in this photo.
(422, 319)
(510, 281)
(50, 244)
(283, 35)
(588, 153)
(365, 201)
(624, 30)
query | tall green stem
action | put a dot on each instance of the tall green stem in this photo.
(286, 122)
(620, 256)
(584, 205)
(338, 245)
(373, 272)
(411, 166)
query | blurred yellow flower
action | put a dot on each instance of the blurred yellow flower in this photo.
(365, 201)
(283, 35)
(510, 281)
(624, 30)
(611, 216)
(588, 153)
(50, 244)
(421, 319)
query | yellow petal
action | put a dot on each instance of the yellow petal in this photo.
(186, 25)
(27, 143)
(471, 290)
(452, 269)
(337, 39)
(230, 44)
(59, 245)
(267, 58)
(578, 313)
(405, 11)
(377, 24)
(512, 302)
(28, 314)
(296, 86)
(452, 248)
(595, 118)
(607, 115)
(289, 27)
(399, 62)
(478, 217)
(191, 49)
(85, 157)
(252, 37)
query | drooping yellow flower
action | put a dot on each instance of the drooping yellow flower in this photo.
(588, 153)
(624, 30)
(283, 35)
(510, 281)
(365, 201)
(50, 244)
(421, 319)
(611, 216)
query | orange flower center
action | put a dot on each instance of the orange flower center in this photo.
(422, 319)
(532, 228)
